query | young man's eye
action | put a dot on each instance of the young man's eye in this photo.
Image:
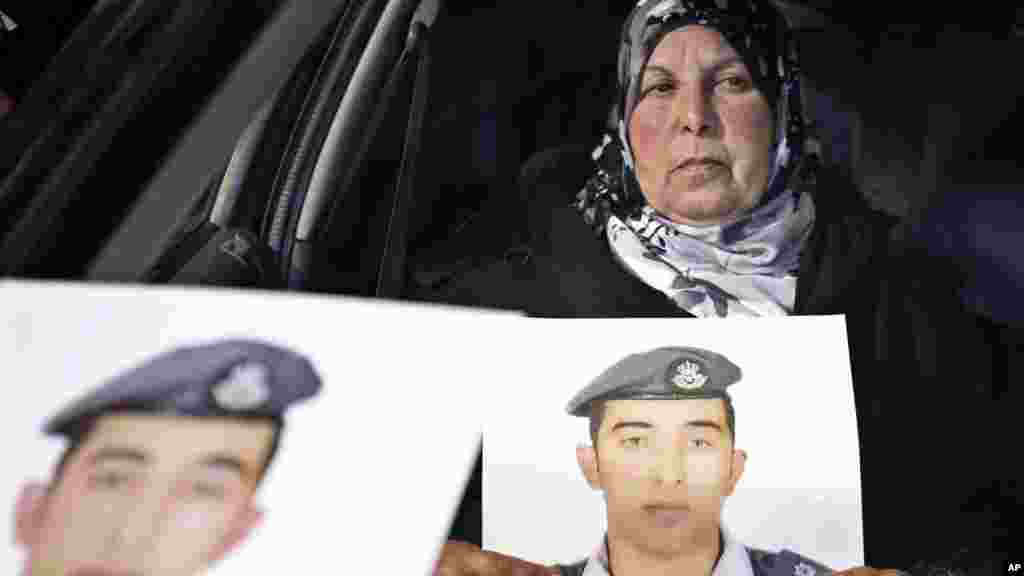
(700, 443)
(635, 442)
(208, 490)
(108, 480)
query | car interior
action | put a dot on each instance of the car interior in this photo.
(375, 148)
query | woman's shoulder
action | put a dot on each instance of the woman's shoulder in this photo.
(873, 245)
(566, 166)
(849, 230)
(480, 263)
(838, 201)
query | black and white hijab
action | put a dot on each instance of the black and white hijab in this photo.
(744, 267)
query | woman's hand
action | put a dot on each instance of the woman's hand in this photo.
(463, 559)
(866, 571)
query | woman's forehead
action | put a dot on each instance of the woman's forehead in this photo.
(693, 44)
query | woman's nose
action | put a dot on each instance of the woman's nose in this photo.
(693, 110)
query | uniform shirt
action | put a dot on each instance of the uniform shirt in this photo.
(735, 560)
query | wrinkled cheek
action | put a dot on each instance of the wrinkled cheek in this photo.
(752, 121)
(647, 134)
(751, 132)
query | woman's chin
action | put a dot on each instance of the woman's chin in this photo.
(701, 211)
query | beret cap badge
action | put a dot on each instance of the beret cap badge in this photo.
(688, 376)
(245, 388)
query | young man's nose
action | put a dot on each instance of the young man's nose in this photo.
(671, 467)
(129, 542)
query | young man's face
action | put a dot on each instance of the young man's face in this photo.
(147, 495)
(665, 467)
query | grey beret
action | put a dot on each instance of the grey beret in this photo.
(225, 378)
(662, 373)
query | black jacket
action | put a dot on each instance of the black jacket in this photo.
(921, 368)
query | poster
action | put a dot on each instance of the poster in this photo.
(368, 471)
(794, 419)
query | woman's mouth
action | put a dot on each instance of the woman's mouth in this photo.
(697, 172)
(699, 166)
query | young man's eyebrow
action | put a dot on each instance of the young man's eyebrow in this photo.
(704, 424)
(226, 462)
(118, 453)
(631, 424)
(689, 423)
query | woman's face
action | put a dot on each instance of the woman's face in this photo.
(701, 133)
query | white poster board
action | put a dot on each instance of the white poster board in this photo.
(369, 473)
(795, 418)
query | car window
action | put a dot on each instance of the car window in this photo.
(124, 86)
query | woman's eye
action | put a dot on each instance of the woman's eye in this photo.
(699, 443)
(734, 83)
(662, 88)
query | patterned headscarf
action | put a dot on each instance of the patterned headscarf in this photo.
(748, 255)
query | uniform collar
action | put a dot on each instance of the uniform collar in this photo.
(734, 561)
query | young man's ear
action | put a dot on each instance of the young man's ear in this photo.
(244, 524)
(586, 457)
(739, 462)
(29, 512)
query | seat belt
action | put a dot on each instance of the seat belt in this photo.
(311, 128)
(234, 200)
(391, 276)
(188, 240)
(341, 156)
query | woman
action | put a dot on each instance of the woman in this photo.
(708, 202)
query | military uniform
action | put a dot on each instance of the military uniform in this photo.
(677, 373)
(229, 378)
(735, 560)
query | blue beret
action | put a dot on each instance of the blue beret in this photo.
(662, 373)
(225, 378)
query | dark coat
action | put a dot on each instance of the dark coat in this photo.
(922, 372)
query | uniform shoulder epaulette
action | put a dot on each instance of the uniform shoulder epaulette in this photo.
(784, 563)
